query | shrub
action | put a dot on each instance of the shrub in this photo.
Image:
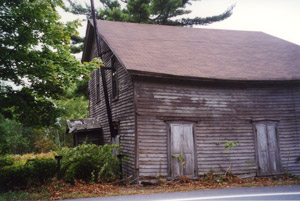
(90, 163)
(41, 170)
(22, 159)
(13, 177)
(6, 161)
(15, 137)
(33, 172)
(4, 148)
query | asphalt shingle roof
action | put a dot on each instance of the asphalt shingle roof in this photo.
(203, 53)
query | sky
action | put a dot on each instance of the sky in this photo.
(280, 18)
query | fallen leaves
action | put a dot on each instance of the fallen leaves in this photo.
(56, 190)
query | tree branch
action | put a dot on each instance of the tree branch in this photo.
(206, 20)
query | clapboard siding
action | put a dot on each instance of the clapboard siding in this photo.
(219, 112)
(122, 108)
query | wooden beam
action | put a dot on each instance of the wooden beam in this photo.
(108, 109)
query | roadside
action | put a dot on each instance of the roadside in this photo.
(55, 190)
(245, 193)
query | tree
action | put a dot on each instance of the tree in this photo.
(147, 11)
(35, 60)
(74, 106)
(15, 138)
(143, 11)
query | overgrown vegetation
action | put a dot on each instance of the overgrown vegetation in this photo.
(15, 138)
(22, 171)
(87, 162)
(33, 172)
(91, 163)
(40, 81)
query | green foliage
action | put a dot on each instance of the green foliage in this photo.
(215, 177)
(180, 157)
(18, 195)
(41, 169)
(294, 177)
(143, 11)
(90, 163)
(77, 39)
(147, 11)
(139, 10)
(15, 138)
(74, 106)
(230, 144)
(6, 161)
(4, 148)
(33, 172)
(13, 177)
(78, 8)
(76, 49)
(34, 55)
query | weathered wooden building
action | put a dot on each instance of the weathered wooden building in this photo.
(184, 92)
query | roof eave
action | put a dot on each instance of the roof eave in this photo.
(88, 43)
(137, 73)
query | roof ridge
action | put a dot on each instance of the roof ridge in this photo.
(209, 53)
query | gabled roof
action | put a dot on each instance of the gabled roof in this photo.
(202, 53)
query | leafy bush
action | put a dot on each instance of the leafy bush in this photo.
(14, 137)
(87, 162)
(6, 161)
(33, 172)
(4, 148)
(91, 163)
(41, 170)
(13, 177)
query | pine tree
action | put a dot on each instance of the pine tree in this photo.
(143, 11)
(147, 11)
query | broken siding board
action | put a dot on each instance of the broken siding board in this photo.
(220, 114)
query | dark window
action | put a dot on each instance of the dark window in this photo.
(114, 83)
(116, 138)
(98, 85)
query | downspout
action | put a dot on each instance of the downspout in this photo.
(108, 109)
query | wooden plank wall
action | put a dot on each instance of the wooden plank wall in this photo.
(122, 108)
(219, 113)
(296, 93)
(94, 137)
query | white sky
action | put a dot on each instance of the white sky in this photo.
(280, 18)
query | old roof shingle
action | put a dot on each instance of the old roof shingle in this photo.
(203, 53)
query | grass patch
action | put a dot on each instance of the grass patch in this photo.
(23, 195)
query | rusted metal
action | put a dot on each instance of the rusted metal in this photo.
(108, 109)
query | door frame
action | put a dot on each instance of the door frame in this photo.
(266, 122)
(169, 145)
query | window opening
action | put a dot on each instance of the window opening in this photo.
(98, 85)
(114, 83)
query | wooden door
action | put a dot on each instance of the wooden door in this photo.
(267, 149)
(182, 150)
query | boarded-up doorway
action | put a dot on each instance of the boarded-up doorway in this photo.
(267, 151)
(181, 150)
